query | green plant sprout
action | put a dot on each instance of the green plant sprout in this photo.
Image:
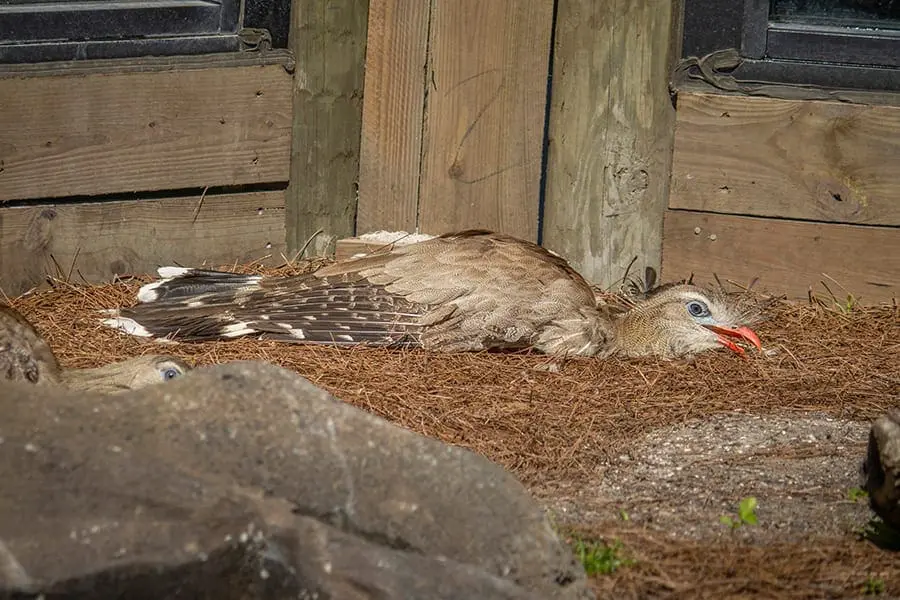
(746, 514)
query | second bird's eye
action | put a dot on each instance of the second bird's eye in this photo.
(170, 373)
(697, 309)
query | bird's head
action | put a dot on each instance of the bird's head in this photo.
(680, 320)
(132, 374)
(152, 369)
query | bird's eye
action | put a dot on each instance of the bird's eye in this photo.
(170, 373)
(697, 309)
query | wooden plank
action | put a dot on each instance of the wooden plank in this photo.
(329, 42)
(72, 134)
(801, 159)
(610, 130)
(103, 239)
(484, 117)
(349, 247)
(788, 256)
(393, 108)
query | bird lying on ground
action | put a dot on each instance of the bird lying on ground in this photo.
(467, 291)
(26, 356)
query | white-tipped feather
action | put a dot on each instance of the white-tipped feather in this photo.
(236, 330)
(147, 293)
(129, 326)
(172, 272)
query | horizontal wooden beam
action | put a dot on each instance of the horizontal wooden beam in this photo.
(98, 240)
(788, 257)
(69, 133)
(800, 159)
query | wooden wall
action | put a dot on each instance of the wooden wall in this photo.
(456, 110)
(793, 192)
(453, 115)
(103, 165)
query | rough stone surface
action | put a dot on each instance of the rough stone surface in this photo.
(882, 468)
(682, 479)
(245, 480)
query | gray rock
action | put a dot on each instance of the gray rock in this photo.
(882, 468)
(247, 478)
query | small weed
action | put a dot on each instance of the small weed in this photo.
(624, 515)
(873, 586)
(855, 494)
(599, 558)
(746, 514)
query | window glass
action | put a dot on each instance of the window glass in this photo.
(859, 14)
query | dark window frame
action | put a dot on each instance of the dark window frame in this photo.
(793, 53)
(60, 30)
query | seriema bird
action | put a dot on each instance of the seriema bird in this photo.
(26, 356)
(466, 291)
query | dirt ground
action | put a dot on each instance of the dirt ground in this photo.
(646, 452)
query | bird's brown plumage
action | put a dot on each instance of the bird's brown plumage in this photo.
(472, 290)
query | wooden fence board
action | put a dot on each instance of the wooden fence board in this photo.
(71, 133)
(329, 42)
(391, 146)
(610, 131)
(102, 239)
(799, 159)
(484, 115)
(789, 257)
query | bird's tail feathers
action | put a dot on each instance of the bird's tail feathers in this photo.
(177, 284)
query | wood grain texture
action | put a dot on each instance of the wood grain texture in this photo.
(801, 159)
(393, 108)
(329, 42)
(484, 118)
(71, 134)
(789, 257)
(610, 130)
(103, 239)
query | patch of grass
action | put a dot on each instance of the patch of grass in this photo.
(874, 586)
(746, 514)
(855, 494)
(600, 558)
(840, 304)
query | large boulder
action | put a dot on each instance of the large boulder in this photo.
(245, 480)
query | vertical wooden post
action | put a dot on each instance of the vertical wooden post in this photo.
(454, 115)
(391, 147)
(328, 38)
(610, 132)
(484, 117)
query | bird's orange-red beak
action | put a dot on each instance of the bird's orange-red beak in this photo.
(744, 333)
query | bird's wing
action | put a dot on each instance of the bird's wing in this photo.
(466, 291)
(481, 289)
